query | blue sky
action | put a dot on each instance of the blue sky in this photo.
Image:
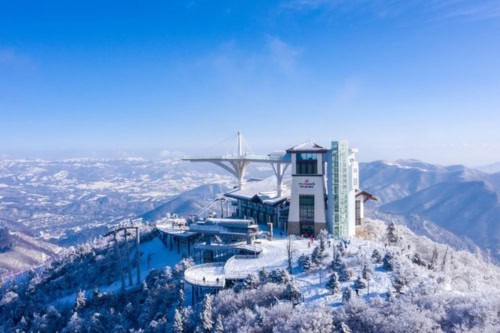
(398, 79)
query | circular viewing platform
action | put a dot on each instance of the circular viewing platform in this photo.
(206, 275)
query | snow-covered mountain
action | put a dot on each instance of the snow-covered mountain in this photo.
(490, 168)
(189, 202)
(453, 198)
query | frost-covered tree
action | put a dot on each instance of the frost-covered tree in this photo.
(80, 300)
(340, 267)
(444, 262)
(342, 327)
(206, 321)
(263, 275)
(181, 298)
(389, 261)
(376, 257)
(250, 282)
(96, 324)
(346, 295)
(337, 262)
(319, 254)
(279, 276)
(360, 283)
(340, 248)
(304, 262)
(333, 283)
(178, 326)
(417, 259)
(366, 271)
(75, 324)
(292, 293)
(434, 258)
(392, 235)
(219, 327)
(399, 281)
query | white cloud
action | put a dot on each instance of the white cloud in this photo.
(439, 9)
(282, 54)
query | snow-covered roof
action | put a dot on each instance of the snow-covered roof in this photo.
(366, 195)
(307, 146)
(264, 191)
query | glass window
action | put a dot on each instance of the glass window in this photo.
(307, 164)
(306, 208)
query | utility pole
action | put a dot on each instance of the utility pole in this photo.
(129, 268)
(119, 256)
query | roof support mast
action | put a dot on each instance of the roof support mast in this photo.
(237, 164)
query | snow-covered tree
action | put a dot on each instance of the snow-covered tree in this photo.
(340, 267)
(80, 300)
(342, 327)
(219, 327)
(279, 276)
(417, 259)
(444, 262)
(366, 271)
(75, 324)
(333, 283)
(346, 295)
(376, 257)
(178, 326)
(206, 321)
(392, 235)
(434, 258)
(318, 254)
(181, 298)
(250, 282)
(360, 283)
(263, 275)
(304, 262)
(292, 293)
(389, 261)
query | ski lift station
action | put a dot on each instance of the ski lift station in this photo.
(321, 193)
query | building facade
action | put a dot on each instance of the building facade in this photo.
(308, 194)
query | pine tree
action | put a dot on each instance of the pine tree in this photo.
(388, 261)
(392, 235)
(305, 262)
(207, 322)
(333, 283)
(346, 295)
(376, 256)
(342, 328)
(219, 328)
(178, 326)
(445, 260)
(279, 276)
(292, 293)
(181, 298)
(366, 272)
(263, 275)
(398, 282)
(80, 300)
(434, 258)
(340, 267)
(337, 263)
(360, 283)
